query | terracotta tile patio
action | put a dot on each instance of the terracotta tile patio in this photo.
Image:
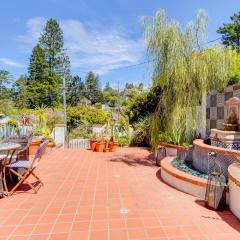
(115, 196)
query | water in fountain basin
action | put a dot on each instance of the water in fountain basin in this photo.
(188, 168)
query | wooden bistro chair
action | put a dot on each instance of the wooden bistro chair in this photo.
(28, 166)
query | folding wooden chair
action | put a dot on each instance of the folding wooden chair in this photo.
(28, 166)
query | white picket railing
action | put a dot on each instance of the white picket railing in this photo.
(79, 143)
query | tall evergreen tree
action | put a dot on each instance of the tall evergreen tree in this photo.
(5, 79)
(231, 32)
(21, 91)
(38, 81)
(109, 95)
(93, 90)
(51, 41)
(75, 90)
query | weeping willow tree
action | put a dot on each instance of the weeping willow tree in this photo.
(185, 70)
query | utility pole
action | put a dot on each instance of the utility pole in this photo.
(64, 99)
(64, 108)
(118, 101)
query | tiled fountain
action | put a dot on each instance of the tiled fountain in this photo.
(228, 135)
(190, 174)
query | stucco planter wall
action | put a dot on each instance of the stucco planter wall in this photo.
(182, 152)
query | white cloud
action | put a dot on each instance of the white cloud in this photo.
(9, 62)
(34, 28)
(90, 48)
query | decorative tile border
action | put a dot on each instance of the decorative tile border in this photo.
(200, 143)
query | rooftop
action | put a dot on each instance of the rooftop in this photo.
(113, 196)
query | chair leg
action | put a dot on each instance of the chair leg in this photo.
(23, 179)
(37, 178)
(31, 186)
(11, 178)
(4, 181)
(16, 186)
(20, 181)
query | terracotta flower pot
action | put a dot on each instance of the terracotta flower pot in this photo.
(113, 146)
(50, 146)
(93, 144)
(106, 149)
(100, 146)
(34, 146)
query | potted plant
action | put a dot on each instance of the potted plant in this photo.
(39, 136)
(113, 144)
(36, 141)
(100, 145)
(51, 144)
(44, 124)
(106, 149)
(93, 141)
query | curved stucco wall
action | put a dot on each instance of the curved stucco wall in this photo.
(182, 181)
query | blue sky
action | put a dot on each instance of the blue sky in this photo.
(99, 35)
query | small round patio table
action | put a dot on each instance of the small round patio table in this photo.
(8, 150)
(9, 146)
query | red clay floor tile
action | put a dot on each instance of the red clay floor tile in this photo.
(109, 196)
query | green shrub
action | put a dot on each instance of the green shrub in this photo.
(141, 134)
(82, 131)
(98, 105)
(44, 131)
(85, 115)
(45, 121)
(6, 106)
(123, 141)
